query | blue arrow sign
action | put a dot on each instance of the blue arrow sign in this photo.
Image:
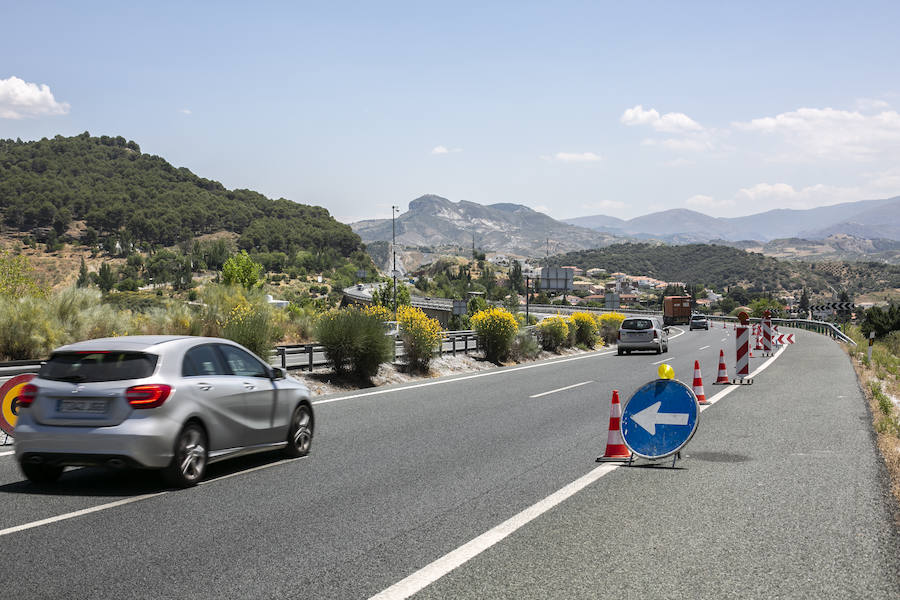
(659, 418)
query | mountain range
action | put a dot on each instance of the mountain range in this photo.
(867, 219)
(852, 230)
(507, 228)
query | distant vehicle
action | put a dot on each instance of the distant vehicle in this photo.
(676, 310)
(642, 333)
(174, 403)
(699, 322)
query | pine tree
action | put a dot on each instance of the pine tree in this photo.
(82, 275)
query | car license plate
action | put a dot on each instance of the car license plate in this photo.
(83, 405)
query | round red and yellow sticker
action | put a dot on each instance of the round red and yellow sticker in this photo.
(9, 396)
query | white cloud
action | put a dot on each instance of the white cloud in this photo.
(871, 104)
(667, 123)
(185, 111)
(695, 143)
(708, 202)
(766, 196)
(444, 150)
(603, 205)
(574, 157)
(826, 133)
(20, 99)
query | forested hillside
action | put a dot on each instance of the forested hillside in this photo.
(715, 266)
(141, 199)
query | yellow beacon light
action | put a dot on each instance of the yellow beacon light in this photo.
(666, 372)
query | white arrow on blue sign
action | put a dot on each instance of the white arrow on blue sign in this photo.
(660, 418)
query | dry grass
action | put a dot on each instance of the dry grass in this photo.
(888, 443)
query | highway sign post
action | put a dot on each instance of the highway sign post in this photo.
(659, 419)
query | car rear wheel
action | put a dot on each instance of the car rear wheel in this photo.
(41, 474)
(189, 462)
(621, 352)
(300, 432)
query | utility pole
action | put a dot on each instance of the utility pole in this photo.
(527, 294)
(394, 210)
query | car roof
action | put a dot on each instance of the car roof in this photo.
(132, 343)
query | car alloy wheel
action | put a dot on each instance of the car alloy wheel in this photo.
(189, 462)
(300, 432)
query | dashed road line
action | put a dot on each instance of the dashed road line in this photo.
(562, 389)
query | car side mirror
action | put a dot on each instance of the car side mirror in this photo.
(278, 373)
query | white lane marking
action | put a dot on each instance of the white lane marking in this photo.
(443, 381)
(562, 389)
(449, 562)
(724, 339)
(124, 501)
(6, 453)
(704, 347)
(659, 362)
(78, 513)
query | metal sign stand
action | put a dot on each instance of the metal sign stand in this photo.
(654, 461)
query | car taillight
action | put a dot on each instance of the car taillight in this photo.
(27, 395)
(619, 335)
(148, 396)
(655, 334)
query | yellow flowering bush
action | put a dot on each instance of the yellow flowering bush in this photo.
(609, 325)
(554, 332)
(585, 328)
(382, 313)
(421, 336)
(496, 328)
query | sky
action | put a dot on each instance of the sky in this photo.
(570, 108)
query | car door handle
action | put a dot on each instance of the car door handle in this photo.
(249, 386)
(204, 386)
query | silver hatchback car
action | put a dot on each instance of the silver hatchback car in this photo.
(642, 333)
(175, 403)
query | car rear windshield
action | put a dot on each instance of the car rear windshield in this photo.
(80, 367)
(698, 318)
(637, 324)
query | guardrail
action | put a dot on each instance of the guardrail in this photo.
(821, 327)
(573, 309)
(314, 354)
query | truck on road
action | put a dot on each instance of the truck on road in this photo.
(676, 310)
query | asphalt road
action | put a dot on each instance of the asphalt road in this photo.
(780, 494)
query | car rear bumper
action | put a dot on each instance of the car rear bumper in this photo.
(140, 443)
(654, 345)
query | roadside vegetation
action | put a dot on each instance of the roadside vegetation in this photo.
(880, 380)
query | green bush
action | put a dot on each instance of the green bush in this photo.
(496, 329)
(524, 347)
(554, 332)
(354, 341)
(242, 315)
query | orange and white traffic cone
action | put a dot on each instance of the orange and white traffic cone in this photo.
(722, 378)
(698, 384)
(616, 450)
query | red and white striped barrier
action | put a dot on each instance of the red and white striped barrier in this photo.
(767, 335)
(784, 338)
(742, 361)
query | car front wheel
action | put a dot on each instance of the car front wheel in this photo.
(189, 462)
(300, 432)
